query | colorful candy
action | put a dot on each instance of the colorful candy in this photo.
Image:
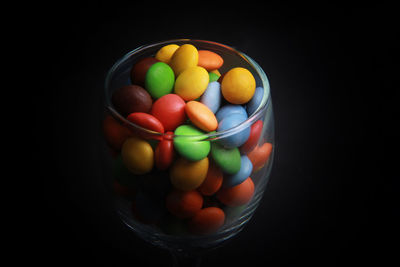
(260, 155)
(146, 121)
(115, 133)
(237, 195)
(185, 56)
(131, 98)
(255, 101)
(228, 159)
(212, 96)
(209, 60)
(166, 52)
(190, 143)
(255, 134)
(188, 175)
(139, 70)
(170, 111)
(213, 181)
(238, 86)
(159, 80)
(201, 116)
(184, 204)
(229, 110)
(238, 138)
(246, 168)
(164, 153)
(207, 221)
(191, 83)
(137, 155)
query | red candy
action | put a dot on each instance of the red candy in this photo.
(164, 153)
(139, 70)
(115, 133)
(146, 121)
(170, 111)
(207, 221)
(184, 204)
(255, 133)
(260, 155)
(213, 180)
(237, 195)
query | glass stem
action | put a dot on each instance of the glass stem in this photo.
(181, 259)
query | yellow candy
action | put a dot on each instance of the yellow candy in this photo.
(184, 57)
(188, 175)
(238, 86)
(191, 83)
(137, 155)
(165, 53)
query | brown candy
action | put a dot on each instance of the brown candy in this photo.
(131, 98)
(139, 70)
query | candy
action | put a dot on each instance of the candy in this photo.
(238, 86)
(184, 204)
(131, 98)
(184, 57)
(164, 153)
(237, 139)
(191, 83)
(237, 195)
(209, 60)
(115, 133)
(212, 96)
(228, 159)
(255, 101)
(260, 155)
(189, 142)
(146, 121)
(213, 77)
(213, 180)
(255, 133)
(201, 116)
(207, 221)
(228, 110)
(139, 70)
(137, 155)
(165, 53)
(188, 175)
(246, 168)
(170, 111)
(159, 80)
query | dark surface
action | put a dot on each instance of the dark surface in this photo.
(331, 198)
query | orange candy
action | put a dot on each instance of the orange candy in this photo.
(184, 204)
(207, 220)
(213, 181)
(237, 195)
(114, 132)
(201, 116)
(209, 60)
(260, 155)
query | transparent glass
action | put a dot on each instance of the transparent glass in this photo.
(168, 232)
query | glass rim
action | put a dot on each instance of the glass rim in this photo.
(265, 102)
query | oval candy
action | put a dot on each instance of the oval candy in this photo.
(209, 60)
(255, 134)
(193, 147)
(201, 116)
(246, 168)
(213, 180)
(237, 139)
(238, 85)
(164, 153)
(228, 110)
(260, 155)
(185, 56)
(137, 155)
(191, 83)
(165, 53)
(212, 96)
(139, 70)
(146, 121)
(255, 101)
(159, 80)
(188, 175)
(207, 221)
(170, 111)
(237, 195)
(131, 98)
(184, 204)
(115, 133)
(228, 159)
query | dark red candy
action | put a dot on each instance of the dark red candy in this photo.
(139, 70)
(255, 133)
(131, 98)
(164, 154)
(146, 121)
(170, 110)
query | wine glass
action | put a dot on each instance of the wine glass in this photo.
(140, 199)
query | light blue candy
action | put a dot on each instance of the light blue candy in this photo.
(255, 101)
(228, 110)
(212, 96)
(246, 167)
(238, 138)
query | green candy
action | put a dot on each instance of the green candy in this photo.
(213, 76)
(228, 159)
(189, 142)
(159, 80)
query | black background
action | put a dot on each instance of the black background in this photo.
(333, 70)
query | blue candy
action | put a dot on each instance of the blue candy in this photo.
(212, 96)
(246, 167)
(228, 110)
(237, 139)
(255, 101)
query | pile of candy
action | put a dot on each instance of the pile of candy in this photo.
(180, 93)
